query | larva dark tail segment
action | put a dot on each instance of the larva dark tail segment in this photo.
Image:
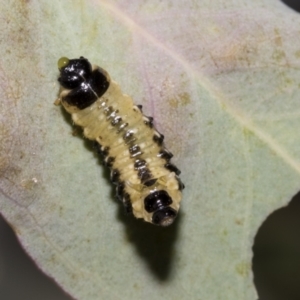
(147, 182)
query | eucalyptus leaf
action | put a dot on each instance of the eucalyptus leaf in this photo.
(221, 80)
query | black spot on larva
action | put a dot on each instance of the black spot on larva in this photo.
(165, 154)
(114, 176)
(136, 108)
(158, 138)
(164, 216)
(81, 97)
(144, 174)
(113, 114)
(116, 121)
(98, 82)
(108, 110)
(120, 191)
(109, 161)
(122, 126)
(172, 168)
(135, 150)
(148, 121)
(97, 147)
(105, 151)
(140, 107)
(127, 203)
(150, 182)
(102, 151)
(139, 163)
(180, 184)
(157, 200)
(127, 137)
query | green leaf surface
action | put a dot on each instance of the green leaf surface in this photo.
(221, 79)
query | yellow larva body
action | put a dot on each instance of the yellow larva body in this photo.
(146, 182)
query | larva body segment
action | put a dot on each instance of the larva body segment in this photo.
(147, 183)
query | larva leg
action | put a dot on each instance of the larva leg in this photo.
(57, 102)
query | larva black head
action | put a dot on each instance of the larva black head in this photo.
(159, 203)
(85, 84)
(73, 71)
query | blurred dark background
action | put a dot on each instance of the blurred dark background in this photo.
(276, 249)
(20, 279)
(294, 4)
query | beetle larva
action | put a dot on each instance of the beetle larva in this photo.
(147, 182)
